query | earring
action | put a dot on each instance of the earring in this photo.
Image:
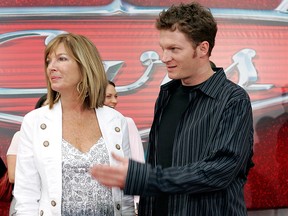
(79, 85)
(79, 88)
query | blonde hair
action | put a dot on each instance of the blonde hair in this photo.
(94, 81)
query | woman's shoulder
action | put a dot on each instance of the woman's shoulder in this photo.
(38, 111)
(130, 120)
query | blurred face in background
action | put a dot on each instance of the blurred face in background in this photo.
(111, 96)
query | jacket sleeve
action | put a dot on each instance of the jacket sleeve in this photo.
(27, 180)
(229, 159)
(136, 145)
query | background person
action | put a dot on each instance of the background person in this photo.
(136, 145)
(60, 142)
(201, 139)
(5, 189)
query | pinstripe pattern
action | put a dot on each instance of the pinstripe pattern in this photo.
(211, 154)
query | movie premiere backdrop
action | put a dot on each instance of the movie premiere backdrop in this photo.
(251, 46)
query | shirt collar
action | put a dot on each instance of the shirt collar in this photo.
(210, 87)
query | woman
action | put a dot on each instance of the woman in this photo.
(60, 142)
(136, 146)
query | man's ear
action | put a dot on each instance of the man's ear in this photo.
(203, 48)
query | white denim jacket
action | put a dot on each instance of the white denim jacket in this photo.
(38, 180)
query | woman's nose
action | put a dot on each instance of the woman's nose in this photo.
(51, 65)
(114, 100)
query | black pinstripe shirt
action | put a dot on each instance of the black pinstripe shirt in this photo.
(211, 155)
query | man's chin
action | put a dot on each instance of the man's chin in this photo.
(173, 76)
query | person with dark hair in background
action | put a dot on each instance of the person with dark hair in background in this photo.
(5, 189)
(12, 154)
(201, 140)
(41, 101)
(60, 142)
(3, 168)
(136, 146)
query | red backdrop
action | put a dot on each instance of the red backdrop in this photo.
(251, 45)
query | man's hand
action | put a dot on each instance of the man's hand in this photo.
(111, 176)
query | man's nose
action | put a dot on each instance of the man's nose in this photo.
(166, 56)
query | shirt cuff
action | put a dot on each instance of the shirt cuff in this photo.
(137, 178)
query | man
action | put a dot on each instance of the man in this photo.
(201, 139)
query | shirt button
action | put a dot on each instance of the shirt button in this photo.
(45, 143)
(118, 146)
(43, 126)
(117, 129)
(53, 203)
(41, 213)
(118, 206)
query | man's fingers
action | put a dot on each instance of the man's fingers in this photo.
(118, 158)
(114, 175)
(106, 175)
(102, 171)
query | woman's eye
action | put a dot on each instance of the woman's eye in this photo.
(62, 58)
